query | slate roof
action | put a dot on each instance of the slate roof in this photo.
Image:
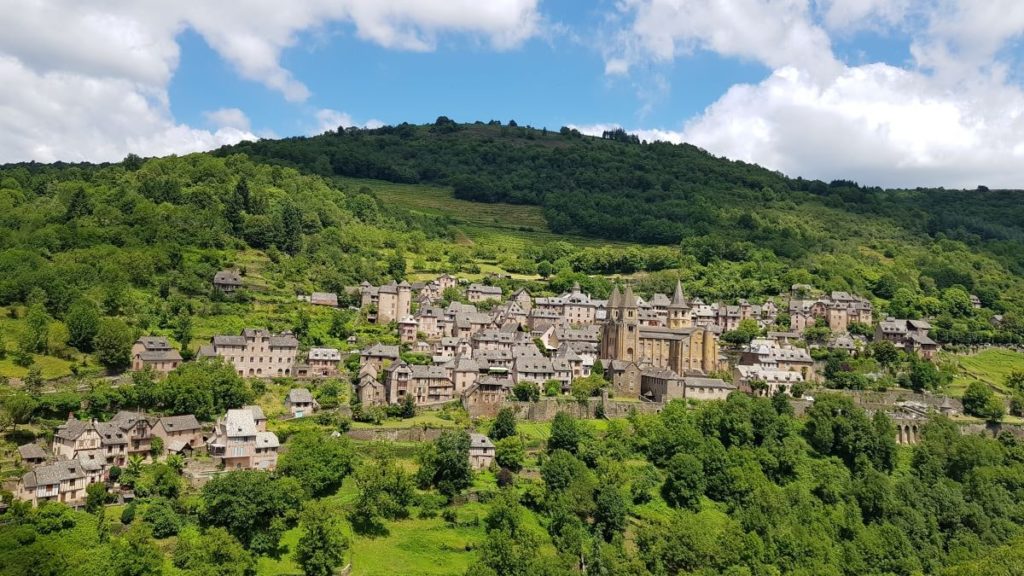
(239, 422)
(53, 473)
(479, 441)
(32, 452)
(227, 278)
(179, 423)
(72, 429)
(300, 396)
(267, 440)
(382, 351)
(708, 383)
(329, 354)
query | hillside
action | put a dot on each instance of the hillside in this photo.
(742, 231)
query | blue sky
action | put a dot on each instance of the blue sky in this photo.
(887, 92)
(550, 81)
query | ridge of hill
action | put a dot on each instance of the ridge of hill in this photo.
(743, 231)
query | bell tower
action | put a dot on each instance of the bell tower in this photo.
(678, 309)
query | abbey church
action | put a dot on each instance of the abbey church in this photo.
(677, 345)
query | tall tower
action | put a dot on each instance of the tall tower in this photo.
(609, 330)
(678, 309)
(629, 327)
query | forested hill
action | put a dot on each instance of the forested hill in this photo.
(619, 188)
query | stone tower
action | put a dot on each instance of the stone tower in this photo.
(678, 309)
(629, 327)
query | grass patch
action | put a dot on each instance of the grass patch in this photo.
(990, 366)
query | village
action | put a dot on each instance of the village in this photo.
(474, 345)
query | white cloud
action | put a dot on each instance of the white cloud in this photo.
(952, 118)
(123, 53)
(328, 120)
(52, 116)
(774, 32)
(228, 118)
(879, 124)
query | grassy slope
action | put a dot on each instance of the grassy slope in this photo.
(989, 366)
(496, 224)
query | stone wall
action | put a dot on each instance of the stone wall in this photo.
(417, 434)
(545, 409)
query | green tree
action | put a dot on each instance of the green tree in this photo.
(610, 511)
(565, 433)
(113, 343)
(135, 554)
(289, 229)
(212, 552)
(34, 380)
(445, 463)
(320, 463)
(924, 375)
(979, 400)
(684, 481)
(183, 330)
(747, 330)
(95, 497)
(321, 548)
(526, 392)
(83, 321)
(504, 424)
(885, 352)
(19, 407)
(162, 518)
(37, 326)
(252, 505)
(385, 492)
(510, 453)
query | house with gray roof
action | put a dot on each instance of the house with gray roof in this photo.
(228, 281)
(180, 434)
(481, 451)
(300, 402)
(240, 439)
(256, 352)
(63, 481)
(154, 353)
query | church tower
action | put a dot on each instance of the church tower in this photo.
(628, 327)
(678, 309)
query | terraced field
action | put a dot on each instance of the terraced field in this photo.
(509, 225)
(989, 366)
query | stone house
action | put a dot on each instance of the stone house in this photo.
(228, 281)
(300, 402)
(536, 369)
(379, 354)
(408, 327)
(256, 352)
(386, 303)
(486, 397)
(179, 433)
(911, 335)
(481, 451)
(324, 299)
(774, 379)
(239, 441)
(426, 384)
(32, 454)
(323, 361)
(154, 353)
(63, 481)
(625, 378)
(74, 436)
(481, 292)
(370, 391)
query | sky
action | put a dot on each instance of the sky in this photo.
(885, 92)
